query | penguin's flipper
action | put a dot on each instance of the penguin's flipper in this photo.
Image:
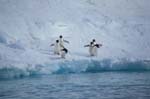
(86, 45)
(52, 44)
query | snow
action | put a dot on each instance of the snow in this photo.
(28, 27)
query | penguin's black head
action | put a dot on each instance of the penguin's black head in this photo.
(94, 40)
(57, 41)
(60, 36)
(91, 43)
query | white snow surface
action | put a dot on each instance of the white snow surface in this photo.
(28, 27)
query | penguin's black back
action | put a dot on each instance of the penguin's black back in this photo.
(64, 49)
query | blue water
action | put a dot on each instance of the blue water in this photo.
(82, 79)
(102, 85)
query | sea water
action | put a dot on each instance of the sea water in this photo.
(82, 79)
(102, 85)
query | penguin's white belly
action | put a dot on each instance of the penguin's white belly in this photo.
(94, 51)
(61, 43)
(90, 50)
(57, 49)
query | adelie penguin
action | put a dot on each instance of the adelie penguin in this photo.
(91, 45)
(61, 40)
(56, 47)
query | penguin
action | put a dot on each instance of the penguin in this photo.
(91, 46)
(64, 51)
(95, 47)
(56, 47)
(61, 40)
